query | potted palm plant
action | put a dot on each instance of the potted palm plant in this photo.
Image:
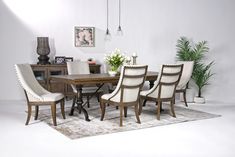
(201, 72)
(185, 51)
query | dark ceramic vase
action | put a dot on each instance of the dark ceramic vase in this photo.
(43, 50)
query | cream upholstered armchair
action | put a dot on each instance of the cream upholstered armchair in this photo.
(126, 93)
(82, 67)
(164, 88)
(36, 95)
(185, 78)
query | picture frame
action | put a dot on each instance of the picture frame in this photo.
(68, 59)
(84, 36)
(59, 59)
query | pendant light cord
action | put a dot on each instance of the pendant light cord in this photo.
(107, 14)
(119, 12)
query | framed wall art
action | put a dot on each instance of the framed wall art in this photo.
(84, 36)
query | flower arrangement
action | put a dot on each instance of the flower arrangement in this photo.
(115, 59)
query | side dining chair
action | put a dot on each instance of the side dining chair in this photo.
(82, 67)
(185, 78)
(164, 88)
(127, 92)
(36, 95)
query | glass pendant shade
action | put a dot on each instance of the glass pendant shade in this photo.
(119, 31)
(108, 36)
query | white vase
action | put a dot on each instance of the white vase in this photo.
(112, 73)
(199, 100)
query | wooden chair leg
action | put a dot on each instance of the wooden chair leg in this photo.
(137, 114)
(73, 105)
(36, 112)
(121, 114)
(144, 103)
(29, 114)
(125, 111)
(102, 106)
(53, 113)
(172, 109)
(185, 101)
(159, 110)
(140, 105)
(62, 108)
(174, 100)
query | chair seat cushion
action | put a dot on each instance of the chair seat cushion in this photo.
(106, 96)
(144, 93)
(52, 96)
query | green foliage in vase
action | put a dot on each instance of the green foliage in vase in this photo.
(115, 59)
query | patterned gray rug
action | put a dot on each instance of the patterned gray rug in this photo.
(76, 127)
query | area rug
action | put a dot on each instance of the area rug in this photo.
(76, 127)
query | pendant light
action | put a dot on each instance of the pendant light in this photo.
(108, 36)
(119, 30)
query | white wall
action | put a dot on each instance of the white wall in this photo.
(151, 28)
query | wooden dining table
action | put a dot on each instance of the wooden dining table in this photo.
(97, 79)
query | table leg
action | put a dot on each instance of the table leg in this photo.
(73, 105)
(78, 100)
(79, 104)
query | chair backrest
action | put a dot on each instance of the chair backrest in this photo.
(169, 79)
(186, 74)
(77, 67)
(131, 81)
(29, 83)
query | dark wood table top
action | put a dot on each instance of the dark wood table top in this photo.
(82, 79)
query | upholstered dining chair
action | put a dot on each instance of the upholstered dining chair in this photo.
(164, 88)
(82, 67)
(185, 78)
(127, 92)
(36, 95)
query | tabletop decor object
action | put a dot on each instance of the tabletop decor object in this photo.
(60, 60)
(134, 57)
(128, 60)
(115, 59)
(43, 50)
